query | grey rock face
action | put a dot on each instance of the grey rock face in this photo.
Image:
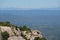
(16, 38)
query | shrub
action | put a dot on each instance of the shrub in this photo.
(43, 39)
(37, 38)
(5, 23)
(5, 35)
(24, 28)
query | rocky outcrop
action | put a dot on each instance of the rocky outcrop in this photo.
(16, 38)
(31, 35)
(15, 34)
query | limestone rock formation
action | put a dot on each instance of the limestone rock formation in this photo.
(16, 34)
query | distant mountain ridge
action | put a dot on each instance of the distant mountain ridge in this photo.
(12, 8)
(30, 12)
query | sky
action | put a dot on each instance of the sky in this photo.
(29, 4)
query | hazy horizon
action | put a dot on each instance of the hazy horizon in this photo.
(29, 4)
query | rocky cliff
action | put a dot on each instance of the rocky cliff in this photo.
(17, 34)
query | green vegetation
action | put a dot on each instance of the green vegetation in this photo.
(24, 28)
(5, 35)
(43, 39)
(5, 23)
(37, 38)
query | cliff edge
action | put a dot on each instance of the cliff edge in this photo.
(11, 32)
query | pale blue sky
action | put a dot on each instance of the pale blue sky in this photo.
(29, 4)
